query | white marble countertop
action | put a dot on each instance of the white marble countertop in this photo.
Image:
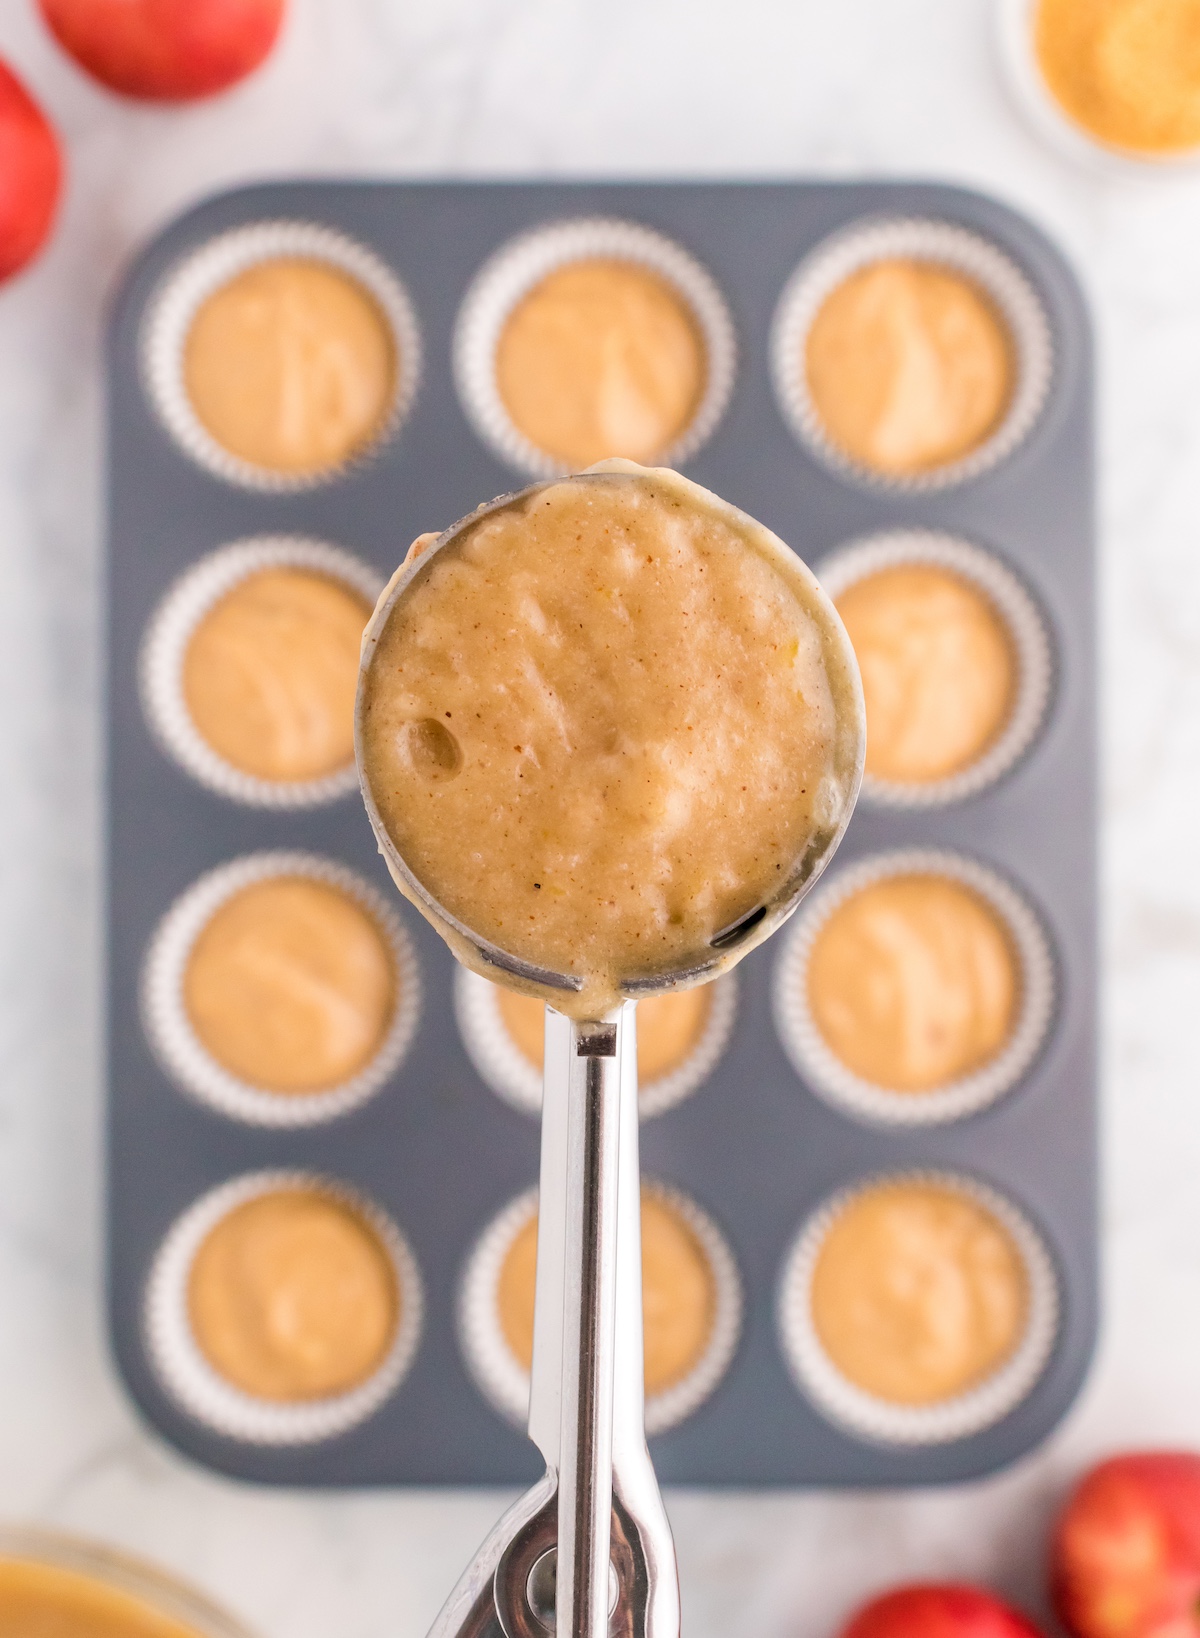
(573, 87)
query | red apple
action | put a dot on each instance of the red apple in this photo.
(30, 174)
(938, 1610)
(1126, 1554)
(166, 50)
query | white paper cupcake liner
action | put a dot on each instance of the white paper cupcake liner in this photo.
(1026, 629)
(164, 648)
(1051, 122)
(877, 1420)
(505, 1068)
(504, 1381)
(179, 1049)
(519, 265)
(497, 1372)
(202, 1391)
(863, 1100)
(950, 246)
(172, 309)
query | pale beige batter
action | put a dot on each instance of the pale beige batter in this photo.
(290, 985)
(668, 1027)
(270, 671)
(938, 670)
(291, 365)
(603, 727)
(601, 358)
(679, 1294)
(292, 1297)
(44, 1601)
(913, 982)
(918, 1293)
(909, 366)
(1127, 71)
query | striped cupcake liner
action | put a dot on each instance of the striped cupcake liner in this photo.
(876, 1420)
(522, 263)
(950, 246)
(172, 310)
(181, 1052)
(826, 1074)
(201, 1391)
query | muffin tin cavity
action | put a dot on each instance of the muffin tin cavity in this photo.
(953, 967)
(950, 1308)
(692, 1306)
(174, 1320)
(334, 971)
(964, 387)
(681, 1036)
(263, 627)
(935, 619)
(591, 333)
(754, 1117)
(335, 361)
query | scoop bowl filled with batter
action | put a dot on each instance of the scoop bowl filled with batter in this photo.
(608, 731)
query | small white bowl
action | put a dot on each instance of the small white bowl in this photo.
(1050, 121)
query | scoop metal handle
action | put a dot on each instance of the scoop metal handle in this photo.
(587, 1551)
(589, 1317)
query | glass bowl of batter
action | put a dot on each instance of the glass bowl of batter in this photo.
(57, 1583)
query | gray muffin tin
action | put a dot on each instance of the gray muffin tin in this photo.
(757, 1150)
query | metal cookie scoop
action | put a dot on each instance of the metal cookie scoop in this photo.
(588, 1550)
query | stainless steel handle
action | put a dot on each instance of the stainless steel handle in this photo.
(589, 1319)
(545, 1568)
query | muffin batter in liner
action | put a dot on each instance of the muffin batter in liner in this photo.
(512, 271)
(1026, 628)
(185, 288)
(201, 1390)
(877, 1420)
(849, 1093)
(504, 1381)
(501, 1063)
(179, 1049)
(164, 649)
(946, 246)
